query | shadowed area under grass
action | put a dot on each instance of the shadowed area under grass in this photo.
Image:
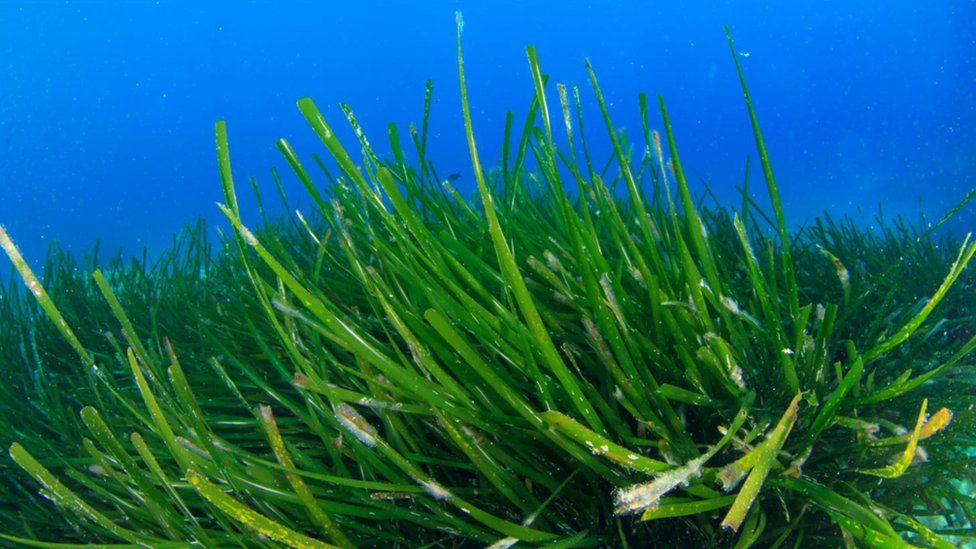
(585, 354)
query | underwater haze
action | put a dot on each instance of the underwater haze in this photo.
(107, 109)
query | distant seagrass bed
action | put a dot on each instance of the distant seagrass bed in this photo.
(583, 354)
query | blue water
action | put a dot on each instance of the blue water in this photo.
(107, 109)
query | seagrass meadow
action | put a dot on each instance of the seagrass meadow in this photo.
(584, 354)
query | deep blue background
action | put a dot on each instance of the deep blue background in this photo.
(107, 109)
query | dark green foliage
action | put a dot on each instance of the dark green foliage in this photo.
(555, 362)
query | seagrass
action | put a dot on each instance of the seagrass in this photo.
(582, 354)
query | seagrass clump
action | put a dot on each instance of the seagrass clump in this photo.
(585, 354)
